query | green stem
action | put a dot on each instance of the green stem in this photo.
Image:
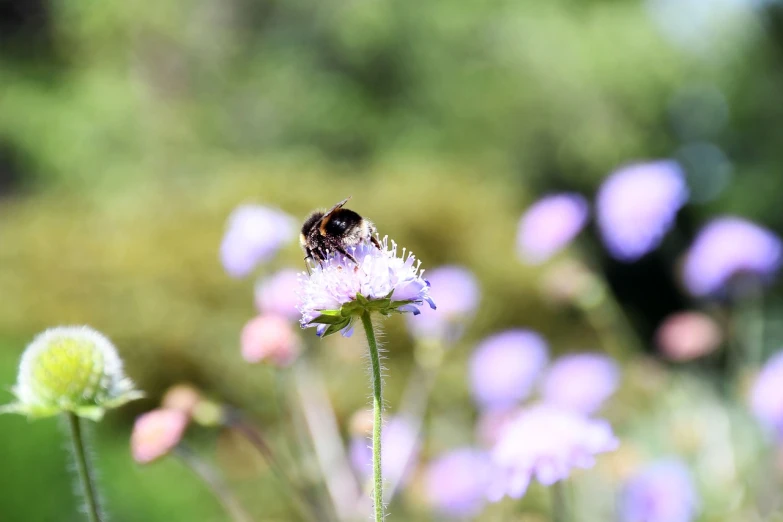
(377, 409)
(83, 468)
(559, 502)
(214, 481)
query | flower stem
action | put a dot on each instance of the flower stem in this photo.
(377, 409)
(559, 502)
(214, 481)
(83, 468)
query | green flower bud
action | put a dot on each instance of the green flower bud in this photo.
(70, 369)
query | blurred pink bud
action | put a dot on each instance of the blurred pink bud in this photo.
(182, 397)
(271, 338)
(156, 433)
(685, 336)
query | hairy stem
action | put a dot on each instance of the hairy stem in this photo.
(559, 502)
(377, 409)
(83, 468)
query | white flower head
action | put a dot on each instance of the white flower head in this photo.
(70, 369)
(337, 290)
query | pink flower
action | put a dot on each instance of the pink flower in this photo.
(156, 433)
(277, 294)
(549, 225)
(685, 336)
(271, 338)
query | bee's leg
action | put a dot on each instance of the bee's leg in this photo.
(343, 251)
(375, 242)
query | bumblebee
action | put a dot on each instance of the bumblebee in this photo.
(335, 231)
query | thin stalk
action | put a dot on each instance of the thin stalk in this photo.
(559, 502)
(214, 482)
(377, 409)
(83, 468)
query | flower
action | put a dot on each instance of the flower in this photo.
(504, 367)
(277, 294)
(254, 234)
(547, 442)
(766, 398)
(400, 443)
(549, 225)
(269, 337)
(338, 289)
(685, 336)
(456, 482)
(728, 246)
(156, 433)
(660, 492)
(636, 206)
(458, 293)
(181, 397)
(70, 369)
(580, 382)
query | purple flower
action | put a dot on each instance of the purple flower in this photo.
(636, 206)
(728, 246)
(277, 294)
(254, 234)
(549, 225)
(505, 366)
(766, 396)
(580, 382)
(456, 482)
(546, 442)
(661, 492)
(400, 451)
(337, 289)
(457, 293)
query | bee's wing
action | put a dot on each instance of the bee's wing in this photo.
(328, 214)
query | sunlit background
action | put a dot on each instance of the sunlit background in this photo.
(130, 131)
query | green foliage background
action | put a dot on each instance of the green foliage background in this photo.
(132, 129)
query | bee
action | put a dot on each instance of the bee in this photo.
(335, 231)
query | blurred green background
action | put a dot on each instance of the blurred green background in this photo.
(130, 130)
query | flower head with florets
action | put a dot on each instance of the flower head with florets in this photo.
(337, 290)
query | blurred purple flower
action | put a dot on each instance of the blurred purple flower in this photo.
(456, 482)
(337, 289)
(505, 366)
(726, 247)
(636, 206)
(277, 294)
(549, 225)
(254, 234)
(661, 492)
(457, 293)
(766, 395)
(547, 442)
(400, 444)
(580, 382)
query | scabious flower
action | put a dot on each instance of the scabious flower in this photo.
(766, 395)
(636, 206)
(546, 442)
(400, 445)
(338, 290)
(458, 293)
(270, 338)
(276, 294)
(505, 366)
(156, 433)
(685, 336)
(660, 492)
(580, 382)
(254, 234)
(726, 247)
(70, 369)
(549, 225)
(456, 482)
